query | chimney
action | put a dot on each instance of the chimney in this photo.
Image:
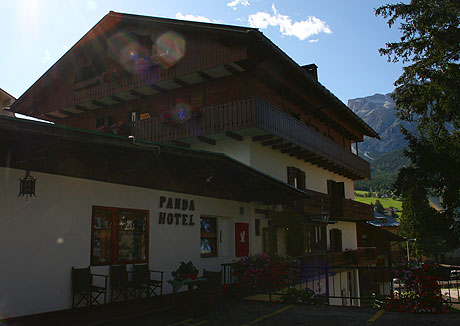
(312, 69)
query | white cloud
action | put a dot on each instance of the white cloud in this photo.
(195, 18)
(65, 48)
(47, 56)
(235, 3)
(300, 29)
(313, 41)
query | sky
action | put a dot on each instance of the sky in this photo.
(341, 37)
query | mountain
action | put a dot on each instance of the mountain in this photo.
(384, 170)
(378, 112)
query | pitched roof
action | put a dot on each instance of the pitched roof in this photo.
(383, 220)
(253, 36)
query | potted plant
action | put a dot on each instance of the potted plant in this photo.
(185, 271)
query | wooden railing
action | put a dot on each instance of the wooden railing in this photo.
(316, 202)
(359, 257)
(356, 210)
(344, 209)
(249, 113)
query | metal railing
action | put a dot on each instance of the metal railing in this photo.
(349, 285)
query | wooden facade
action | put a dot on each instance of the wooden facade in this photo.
(243, 84)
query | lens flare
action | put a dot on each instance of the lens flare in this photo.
(168, 49)
(181, 112)
(124, 48)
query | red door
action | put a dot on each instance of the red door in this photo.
(241, 239)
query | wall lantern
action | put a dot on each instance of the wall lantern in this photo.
(27, 186)
(325, 216)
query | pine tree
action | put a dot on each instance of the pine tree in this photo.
(428, 92)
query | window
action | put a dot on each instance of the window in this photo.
(119, 236)
(315, 237)
(296, 177)
(208, 245)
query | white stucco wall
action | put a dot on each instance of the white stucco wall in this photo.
(36, 268)
(349, 237)
(274, 163)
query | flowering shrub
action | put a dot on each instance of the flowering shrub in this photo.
(304, 296)
(419, 290)
(262, 272)
(120, 128)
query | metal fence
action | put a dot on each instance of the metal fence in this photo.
(350, 285)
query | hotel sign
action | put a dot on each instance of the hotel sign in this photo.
(169, 205)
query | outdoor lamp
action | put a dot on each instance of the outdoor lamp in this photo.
(325, 216)
(27, 185)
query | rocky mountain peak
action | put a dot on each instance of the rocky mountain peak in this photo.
(378, 111)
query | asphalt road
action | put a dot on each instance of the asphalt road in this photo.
(264, 313)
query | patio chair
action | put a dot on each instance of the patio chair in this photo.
(118, 282)
(84, 288)
(142, 282)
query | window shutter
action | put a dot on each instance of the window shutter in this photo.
(303, 180)
(290, 175)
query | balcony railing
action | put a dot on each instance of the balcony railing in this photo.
(356, 210)
(359, 257)
(249, 113)
(343, 209)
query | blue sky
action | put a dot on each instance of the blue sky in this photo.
(341, 37)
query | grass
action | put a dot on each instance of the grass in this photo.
(386, 202)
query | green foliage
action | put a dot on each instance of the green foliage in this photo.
(419, 220)
(379, 207)
(428, 93)
(384, 171)
(185, 270)
(303, 296)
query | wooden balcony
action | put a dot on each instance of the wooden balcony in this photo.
(357, 211)
(343, 209)
(363, 256)
(263, 118)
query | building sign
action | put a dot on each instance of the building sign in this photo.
(144, 116)
(241, 239)
(171, 216)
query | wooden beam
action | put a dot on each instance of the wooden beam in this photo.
(158, 88)
(231, 69)
(262, 137)
(234, 135)
(181, 144)
(50, 116)
(82, 108)
(291, 150)
(207, 140)
(181, 83)
(70, 114)
(117, 99)
(205, 76)
(137, 94)
(281, 146)
(272, 142)
(99, 104)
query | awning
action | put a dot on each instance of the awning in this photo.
(61, 150)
